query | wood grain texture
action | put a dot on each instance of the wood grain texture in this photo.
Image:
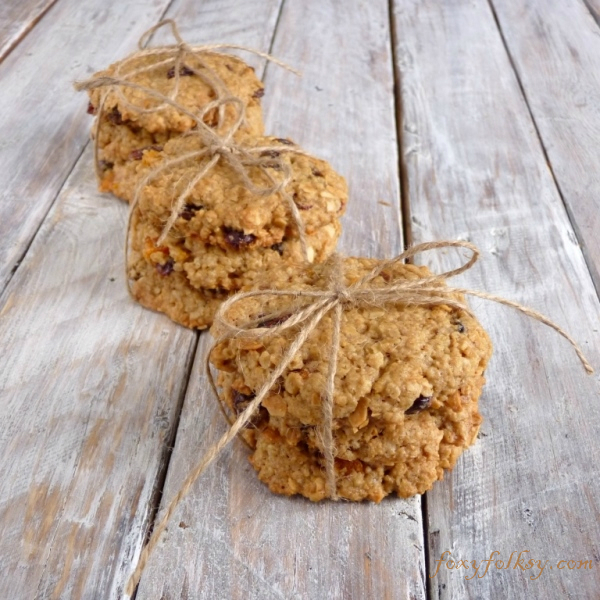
(594, 7)
(44, 127)
(232, 538)
(91, 392)
(555, 47)
(476, 170)
(17, 18)
(92, 384)
(251, 24)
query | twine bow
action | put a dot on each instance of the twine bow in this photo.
(429, 291)
(214, 147)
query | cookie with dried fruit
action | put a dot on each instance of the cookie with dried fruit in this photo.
(406, 388)
(227, 232)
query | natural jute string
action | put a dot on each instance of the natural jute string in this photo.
(214, 147)
(429, 291)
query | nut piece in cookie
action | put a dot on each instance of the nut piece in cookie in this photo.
(406, 388)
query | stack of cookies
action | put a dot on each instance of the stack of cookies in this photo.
(218, 207)
(406, 392)
(228, 230)
(133, 125)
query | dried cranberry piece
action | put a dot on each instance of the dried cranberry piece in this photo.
(273, 321)
(136, 154)
(91, 109)
(421, 403)
(259, 93)
(240, 403)
(183, 70)
(300, 205)
(166, 268)
(278, 248)
(189, 210)
(238, 238)
(114, 116)
(272, 165)
(105, 165)
(270, 153)
(139, 152)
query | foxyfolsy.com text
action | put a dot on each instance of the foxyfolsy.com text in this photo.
(518, 560)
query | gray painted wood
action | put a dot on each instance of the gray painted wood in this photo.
(555, 47)
(476, 170)
(91, 392)
(44, 126)
(17, 19)
(91, 383)
(232, 538)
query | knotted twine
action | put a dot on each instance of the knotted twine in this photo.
(214, 147)
(429, 291)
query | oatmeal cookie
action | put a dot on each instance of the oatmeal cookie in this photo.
(226, 236)
(221, 204)
(126, 133)
(406, 389)
(178, 300)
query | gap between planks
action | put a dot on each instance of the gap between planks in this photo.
(164, 460)
(398, 113)
(5, 285)
(12, 41)
(573, 221)
(237, 552)
(161, 476)
(408, 242)
(592, 10)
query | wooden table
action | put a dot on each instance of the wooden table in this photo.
(461, 119)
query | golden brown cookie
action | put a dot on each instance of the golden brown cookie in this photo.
(406, 390)
(130, 123)
(178, 300)
(226, 236)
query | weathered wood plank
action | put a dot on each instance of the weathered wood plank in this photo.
(17, 19)
(248, 24)
(91, 384)
(555, 47)
(44, 128)
(594, 7)
(87, 409)
(476, 170)
(232, 538)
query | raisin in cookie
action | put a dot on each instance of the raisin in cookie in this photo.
(406, 389)
(132, 122)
